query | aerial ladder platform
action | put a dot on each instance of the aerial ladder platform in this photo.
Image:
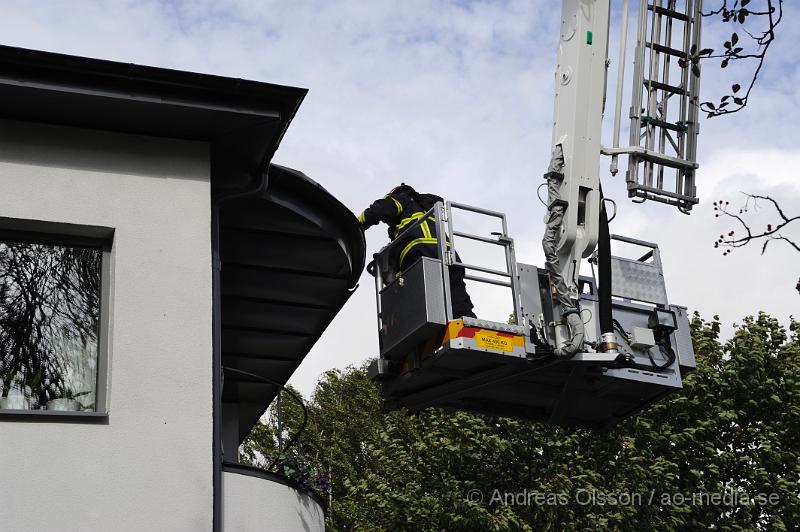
(579, 351)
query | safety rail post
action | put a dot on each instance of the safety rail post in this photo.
(378, 288)
(502, 240)
(442, 216)
(511, 261)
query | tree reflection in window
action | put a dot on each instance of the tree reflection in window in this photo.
(49, 317)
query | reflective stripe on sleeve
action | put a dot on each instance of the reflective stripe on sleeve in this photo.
(397, 203)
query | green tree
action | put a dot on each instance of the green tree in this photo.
(733, 429)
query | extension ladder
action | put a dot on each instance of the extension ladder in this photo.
(662, 156)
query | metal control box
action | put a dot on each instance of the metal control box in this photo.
(412, 308)
(642, 338)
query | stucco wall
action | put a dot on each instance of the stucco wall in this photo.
(149, 468)
(254, 504)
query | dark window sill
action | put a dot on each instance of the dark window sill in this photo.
(54, 416)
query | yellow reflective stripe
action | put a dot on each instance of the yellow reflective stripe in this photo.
(361, 218)
(397, 203)
(426, 231)
(405, 221)
(414, 243)
(416, 216)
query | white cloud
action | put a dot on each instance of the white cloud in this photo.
(455, 98)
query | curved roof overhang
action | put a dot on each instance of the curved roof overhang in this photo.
(291, 256)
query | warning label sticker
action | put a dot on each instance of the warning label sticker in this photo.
(491, 340)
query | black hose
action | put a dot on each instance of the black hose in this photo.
(604, 271)
(669, 355)
(663, 344)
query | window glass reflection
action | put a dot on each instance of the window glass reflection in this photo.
(49, 319)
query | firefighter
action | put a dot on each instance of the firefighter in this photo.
(401, 208)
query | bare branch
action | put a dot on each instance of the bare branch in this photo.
(790, 242)
(731, 240)
(738, 14)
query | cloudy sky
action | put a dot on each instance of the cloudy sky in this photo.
(457, 98)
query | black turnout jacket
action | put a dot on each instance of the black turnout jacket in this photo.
(400, 211)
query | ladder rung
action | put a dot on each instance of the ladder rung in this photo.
(666, 160)
(664, 87)
(668, 13)
(662, 124)
(681, 204)
(667, 50)
(661, 192)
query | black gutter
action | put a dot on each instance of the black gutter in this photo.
(158, 85)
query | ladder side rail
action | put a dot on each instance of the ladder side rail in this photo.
(653, 57)
(685, 102)
(664, 104)
(634, 134)
(694, 104)
(623, 46)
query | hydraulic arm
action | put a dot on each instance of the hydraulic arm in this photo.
(573, 177)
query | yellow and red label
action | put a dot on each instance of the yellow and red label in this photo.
(484, 338)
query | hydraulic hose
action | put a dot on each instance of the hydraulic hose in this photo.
(608, 338)
(576, 336)
(604, 272)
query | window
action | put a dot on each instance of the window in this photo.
(52, 340)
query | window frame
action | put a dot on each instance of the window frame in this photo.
(68, 234)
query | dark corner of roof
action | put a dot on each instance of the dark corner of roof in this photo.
(338, 213)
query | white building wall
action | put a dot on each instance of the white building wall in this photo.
(150, 467)
(254, 504)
